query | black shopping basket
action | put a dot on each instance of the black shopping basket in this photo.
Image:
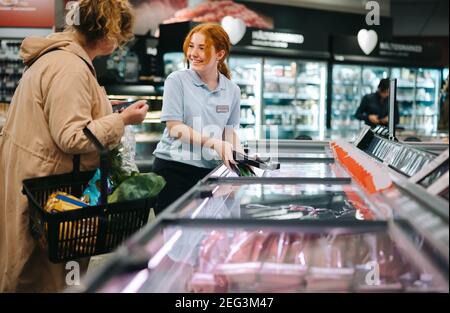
(83, 232)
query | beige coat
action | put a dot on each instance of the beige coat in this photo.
(57, 97)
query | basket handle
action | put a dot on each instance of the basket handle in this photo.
(104, 160)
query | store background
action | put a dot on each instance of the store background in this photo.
(310, 90)
(139, 70)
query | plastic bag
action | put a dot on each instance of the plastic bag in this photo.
(122, 158)
(128, 150)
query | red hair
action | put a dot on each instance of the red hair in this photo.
(215, 36)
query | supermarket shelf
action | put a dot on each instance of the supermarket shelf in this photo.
(308, 83)
(412, 100)
(280, 80)
(244, 82)
(405, 85)
(345, 83)
(297, 127)
(418, 86)
(275, 95)
(419, 100)
(305, 97)
(302, 113)
(351, 99)
(425, 114)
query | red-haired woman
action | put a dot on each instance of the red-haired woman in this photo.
(201, 108)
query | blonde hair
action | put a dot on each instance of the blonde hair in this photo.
(215, 36)
(99, 19)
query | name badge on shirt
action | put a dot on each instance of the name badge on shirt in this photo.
(222, 108)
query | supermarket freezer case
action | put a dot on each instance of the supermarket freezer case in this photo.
(299, 159)
(227, 256)
(277, 199)
(288, 234)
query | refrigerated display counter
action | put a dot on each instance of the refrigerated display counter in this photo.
(289, 148)
(222, 257)
(295, 170)
(277, 200)
(299, 232)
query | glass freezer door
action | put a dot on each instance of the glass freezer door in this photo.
(279, 202)
(427, 99)
(294, 98)
(406, 84)
(311, 96)
(226, 258)
(371, 77)
(246, 73)
(346, 97)
(279, 97)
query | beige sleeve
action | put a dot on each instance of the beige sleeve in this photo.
(68, 107)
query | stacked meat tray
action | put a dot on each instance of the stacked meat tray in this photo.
(327, 217)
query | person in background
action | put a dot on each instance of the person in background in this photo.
(57, 97)
(444, 108)
(201, 109)
(374, 107)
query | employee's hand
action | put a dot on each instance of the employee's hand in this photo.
(225, 150)
(135, 113)
(384, 120)
(373, 118)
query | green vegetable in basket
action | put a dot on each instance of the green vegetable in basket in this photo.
(139, 186)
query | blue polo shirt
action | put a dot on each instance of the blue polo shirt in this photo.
(188, 99)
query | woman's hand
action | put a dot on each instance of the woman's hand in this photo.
(225, 151)
(135, 113)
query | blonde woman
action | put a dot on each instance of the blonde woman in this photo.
(57, 97)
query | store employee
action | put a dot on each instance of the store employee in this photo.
(201, 109)
(374, 107)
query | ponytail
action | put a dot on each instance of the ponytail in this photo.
(223, 68)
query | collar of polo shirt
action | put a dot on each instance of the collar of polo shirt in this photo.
(199, 83)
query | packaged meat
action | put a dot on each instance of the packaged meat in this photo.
(298, 252)
(329, 279)
(278, 249)
(241, 247)
(239, 266)
(258, 245)
(252, 260)
(207, 283)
